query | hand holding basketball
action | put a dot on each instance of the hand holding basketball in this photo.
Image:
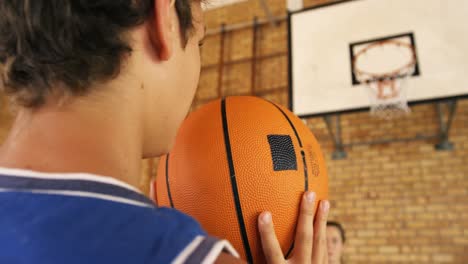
(310, 246)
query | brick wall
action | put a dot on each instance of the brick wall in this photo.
(399, 202)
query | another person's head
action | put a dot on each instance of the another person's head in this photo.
(66, 52)
(336, 239)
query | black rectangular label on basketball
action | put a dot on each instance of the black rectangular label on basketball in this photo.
(282, 152)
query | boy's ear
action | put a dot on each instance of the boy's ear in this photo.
(161, 29)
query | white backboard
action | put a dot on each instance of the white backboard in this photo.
(323, 39)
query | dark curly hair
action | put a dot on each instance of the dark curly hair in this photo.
(70, 43)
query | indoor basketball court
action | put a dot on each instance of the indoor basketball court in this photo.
(364, 102)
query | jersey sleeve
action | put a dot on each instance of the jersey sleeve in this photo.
(189, 243)
(204, 250)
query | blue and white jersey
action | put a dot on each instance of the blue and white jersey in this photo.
(83, 218)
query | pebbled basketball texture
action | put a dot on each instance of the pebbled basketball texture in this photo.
(235, 158)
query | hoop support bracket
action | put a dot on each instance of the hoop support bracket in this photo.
(445, 122)
(445, 113)
(335, 132)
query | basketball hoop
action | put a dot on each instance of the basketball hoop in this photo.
(386, 88)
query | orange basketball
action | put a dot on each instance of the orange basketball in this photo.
(235, 158)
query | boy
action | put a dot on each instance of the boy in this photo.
(100, 84)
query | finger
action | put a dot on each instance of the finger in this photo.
(320, 236)
(270, 244)
(304, 231)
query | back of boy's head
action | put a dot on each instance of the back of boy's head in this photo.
(65, 46)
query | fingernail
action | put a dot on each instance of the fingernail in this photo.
(266, 218)
(310, 196)
(325, 205)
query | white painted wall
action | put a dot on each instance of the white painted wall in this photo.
(294, 5)
(213, 4)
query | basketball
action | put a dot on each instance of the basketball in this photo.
(235, 158)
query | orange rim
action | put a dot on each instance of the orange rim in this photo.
(385, 75)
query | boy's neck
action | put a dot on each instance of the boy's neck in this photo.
(91, 140)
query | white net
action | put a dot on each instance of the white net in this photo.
(388, 96)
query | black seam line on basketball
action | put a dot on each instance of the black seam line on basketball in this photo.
(306, 175)
(167, 182)
(306, 187)
(306, 172)
(290, 249)
(235, 191)
(290, 123)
